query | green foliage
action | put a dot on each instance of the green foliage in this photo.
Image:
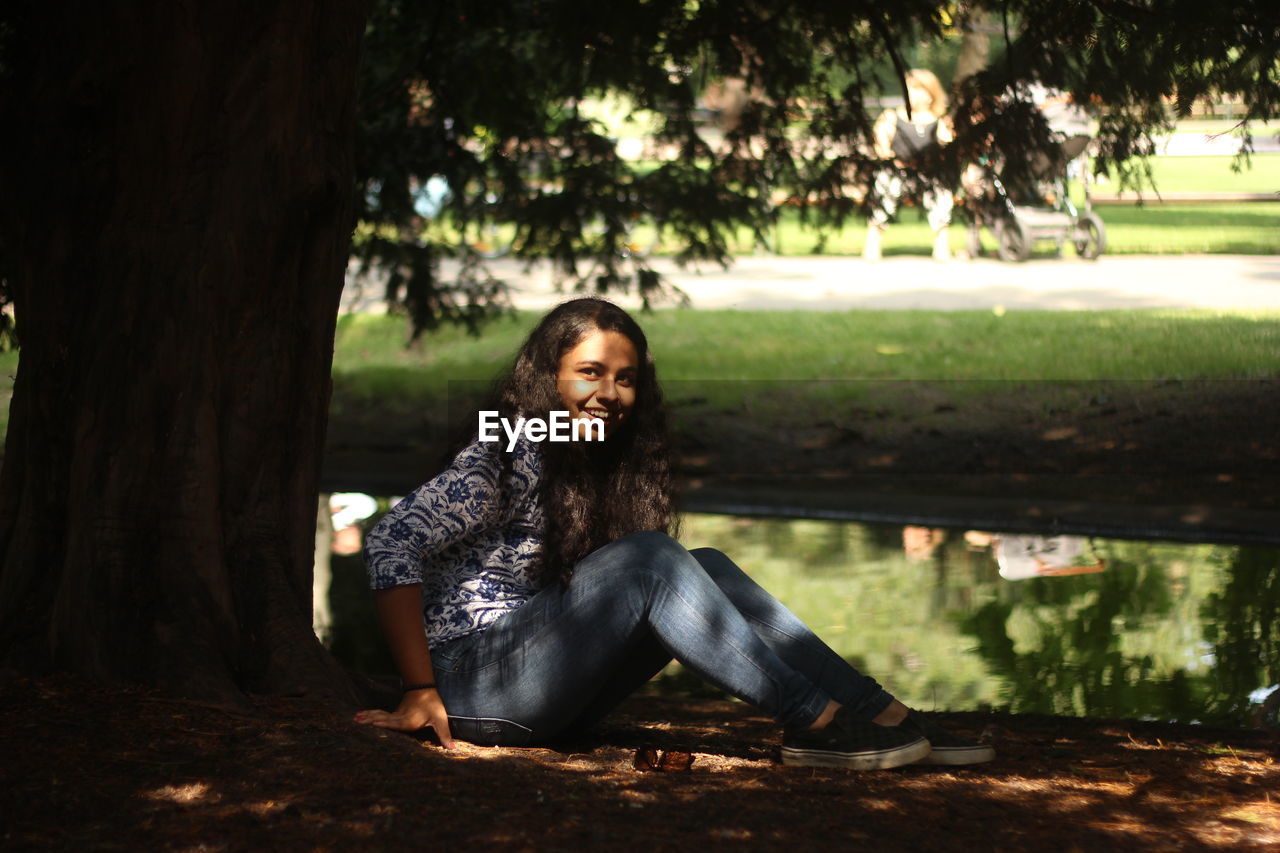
(495, 108)
(1139, 63)
(493, 104)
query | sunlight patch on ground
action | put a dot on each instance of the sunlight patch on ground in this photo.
(266, 807)
(879, 805)
(181, 794)
(1263, 813)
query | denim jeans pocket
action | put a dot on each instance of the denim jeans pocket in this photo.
(490, 731)
(448, 655)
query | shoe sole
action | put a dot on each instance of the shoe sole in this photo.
(882, 759)
(956, 756)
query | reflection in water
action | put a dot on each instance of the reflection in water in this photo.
(1125, 643)
(1020, 556)
(1168, 631)
(1241, 623)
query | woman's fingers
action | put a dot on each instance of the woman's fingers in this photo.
(398, 720)
(441, 725)
(390, 720)
(410, 717)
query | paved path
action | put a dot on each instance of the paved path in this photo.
(1123, 281)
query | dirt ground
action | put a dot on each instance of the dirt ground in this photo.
(1166, 459)
(90, 768)
(95, 768)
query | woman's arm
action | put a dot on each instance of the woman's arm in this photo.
(400, 615)
(461, 501)
(883, 132)
(946, 130)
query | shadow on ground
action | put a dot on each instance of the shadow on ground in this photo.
(1130, 459)
(93, 768)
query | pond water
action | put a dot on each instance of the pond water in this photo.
(966, 620)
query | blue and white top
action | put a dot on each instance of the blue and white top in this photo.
(469, 540)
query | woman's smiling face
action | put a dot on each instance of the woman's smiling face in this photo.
(597, 378)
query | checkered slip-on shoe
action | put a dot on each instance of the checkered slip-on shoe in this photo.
(854, 745)
(947, 748)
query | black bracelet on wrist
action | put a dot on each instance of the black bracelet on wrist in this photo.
(409, 688)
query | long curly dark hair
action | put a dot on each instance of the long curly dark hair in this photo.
(592, 492)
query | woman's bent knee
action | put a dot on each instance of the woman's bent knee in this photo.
(650, 546)
(708, 555)
(715, 562)
(652, 539)
(644, 554)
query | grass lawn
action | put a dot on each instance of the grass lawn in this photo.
(1248, 228)
(1241, 228)
(819, 353)
(827, 349)
(724, 355)
(1208, 174)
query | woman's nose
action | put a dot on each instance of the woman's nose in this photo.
(607, 390)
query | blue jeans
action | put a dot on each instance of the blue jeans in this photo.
(569, 655)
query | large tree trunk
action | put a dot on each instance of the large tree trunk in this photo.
(176, 185)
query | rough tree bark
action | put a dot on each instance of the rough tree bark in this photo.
(177, 184)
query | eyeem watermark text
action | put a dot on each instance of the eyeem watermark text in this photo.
(558, 427)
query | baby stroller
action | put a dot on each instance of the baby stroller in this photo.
(1021, 207)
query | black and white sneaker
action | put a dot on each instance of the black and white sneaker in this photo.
(948, 749)
(853, 744)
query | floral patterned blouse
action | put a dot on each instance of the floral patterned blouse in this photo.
(470, 541)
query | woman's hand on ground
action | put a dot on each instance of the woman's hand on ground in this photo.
(418, 709)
